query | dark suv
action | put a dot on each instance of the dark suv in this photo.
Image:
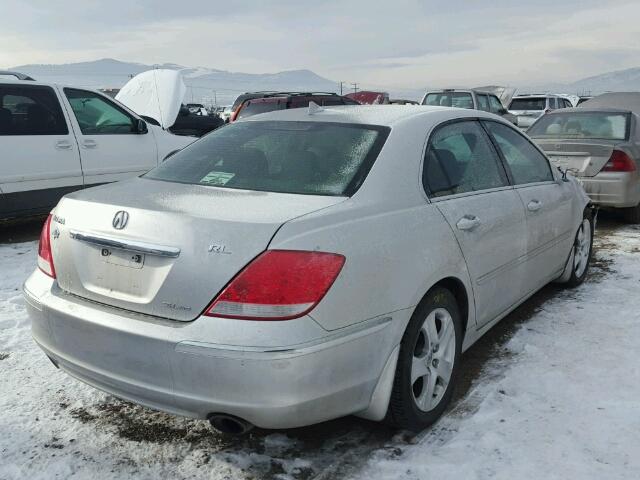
(268, 102)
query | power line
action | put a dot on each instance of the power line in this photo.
(355, 87)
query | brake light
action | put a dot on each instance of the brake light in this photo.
(45, 257)
(619, 162)
(278, 285)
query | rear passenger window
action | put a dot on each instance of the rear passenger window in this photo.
(252, 107)
(30, 110)
(460, 159)
(495, 104)
(526, 163)
(483, 102)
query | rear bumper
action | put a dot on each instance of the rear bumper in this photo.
(299, 375)
(610, 189)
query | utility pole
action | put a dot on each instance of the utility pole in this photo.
(341, 83)
(355, 87)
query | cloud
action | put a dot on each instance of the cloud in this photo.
(409, 43)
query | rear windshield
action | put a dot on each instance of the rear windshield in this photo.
(314, 158)
(254, 107)
(449, 99)
(607, 126)
(528, 104)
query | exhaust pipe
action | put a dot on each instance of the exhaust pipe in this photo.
(228, 424)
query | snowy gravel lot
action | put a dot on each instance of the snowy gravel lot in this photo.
(552, 392)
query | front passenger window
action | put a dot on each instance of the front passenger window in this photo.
(460, 159)
(526, 163)
(98, 116)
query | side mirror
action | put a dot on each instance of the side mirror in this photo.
(503, 111)
(141, 127)
(564, 174)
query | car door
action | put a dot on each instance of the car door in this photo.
(546, 201)
(111, 146)
(464, 177)
(39, 157)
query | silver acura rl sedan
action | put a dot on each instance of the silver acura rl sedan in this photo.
(304, 265)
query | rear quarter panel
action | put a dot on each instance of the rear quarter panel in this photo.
(392, 256)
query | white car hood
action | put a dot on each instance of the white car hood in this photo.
(155, 93)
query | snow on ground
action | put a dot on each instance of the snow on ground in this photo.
(559, 400)
(567, 406)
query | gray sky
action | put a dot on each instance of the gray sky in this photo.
(402, 43)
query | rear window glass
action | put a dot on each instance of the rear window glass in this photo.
(315, 158)
(608, 126)
(254, 107)
(528, 104)
(449, 99)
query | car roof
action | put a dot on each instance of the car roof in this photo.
(302, 96)
(536, 95)
(589, 109)
(383, 115)
(443, 90)
(629, 101)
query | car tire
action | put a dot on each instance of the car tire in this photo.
(421, 391)
(631, 214)
(581, 253)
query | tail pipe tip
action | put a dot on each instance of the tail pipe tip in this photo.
(228, 424)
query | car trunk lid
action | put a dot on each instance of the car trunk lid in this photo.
(180, 246)
(583, 159)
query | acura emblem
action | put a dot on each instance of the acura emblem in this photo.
(120, 220)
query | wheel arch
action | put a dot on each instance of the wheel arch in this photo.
(459, 291)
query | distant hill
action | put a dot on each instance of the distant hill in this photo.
(203, 84)
(208, 84)
(618, 81)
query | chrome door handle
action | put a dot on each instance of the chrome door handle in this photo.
(89, 144)
(468, 222)
(63, 145)
(534, 205)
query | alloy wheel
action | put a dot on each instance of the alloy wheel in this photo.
(581, 248)
(433, 359)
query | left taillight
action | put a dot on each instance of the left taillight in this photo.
(45, 257)
(278, 285)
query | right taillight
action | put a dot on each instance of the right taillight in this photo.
(45, 257)
(619, 162)
(278, 285)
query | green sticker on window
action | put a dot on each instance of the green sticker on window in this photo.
(217, 178)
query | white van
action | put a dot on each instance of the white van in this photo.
(56, 139)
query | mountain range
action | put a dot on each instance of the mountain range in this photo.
(209, 85)
(206, 85)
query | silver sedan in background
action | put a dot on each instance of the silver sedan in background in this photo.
(599, 143)
(304, 265)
